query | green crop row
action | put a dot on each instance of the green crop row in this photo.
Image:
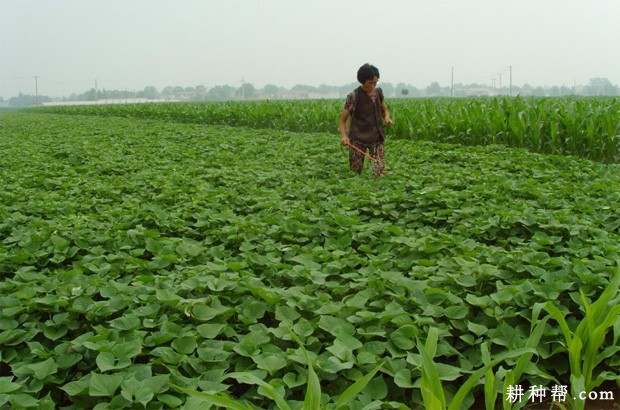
(586, 127)
(152, 264)
(568, 126)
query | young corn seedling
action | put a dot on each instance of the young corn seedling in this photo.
(433, 394)
(584, 343)
(513, 376)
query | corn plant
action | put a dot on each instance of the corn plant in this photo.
(433, 393)
(513, 376)
(584, 343)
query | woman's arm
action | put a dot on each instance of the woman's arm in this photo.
(342, 126)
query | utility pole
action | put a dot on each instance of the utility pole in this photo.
(242, 89)
(500, 83)
(452, 83)
(510, 67)
(574, 87)
(36, 89)
(95, 89)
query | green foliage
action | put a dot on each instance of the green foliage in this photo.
(139, 255)
(585, 127)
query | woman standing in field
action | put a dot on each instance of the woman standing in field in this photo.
(365, 108)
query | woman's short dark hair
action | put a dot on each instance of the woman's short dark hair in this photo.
(367, 72)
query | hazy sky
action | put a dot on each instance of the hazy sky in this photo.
(131, 44)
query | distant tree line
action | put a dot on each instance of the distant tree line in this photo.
(246, 91)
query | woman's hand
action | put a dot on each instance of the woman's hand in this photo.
(342, 126)
(385, 113)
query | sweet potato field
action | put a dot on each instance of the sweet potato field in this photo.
(169, 261)
(584, 127)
